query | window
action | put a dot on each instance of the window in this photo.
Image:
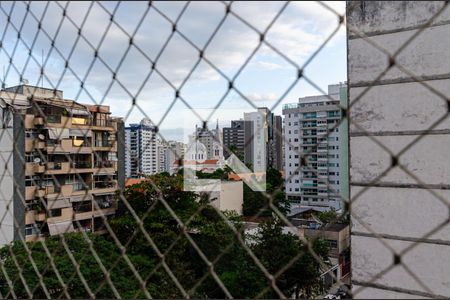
(332, 244)
(55, 213)
(31, 229)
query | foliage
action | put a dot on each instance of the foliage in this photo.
(160, 207)
(327, 216)
(258, 202)
(276, 250)
(121, 275)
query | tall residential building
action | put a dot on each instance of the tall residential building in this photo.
(62, 162)
(169, 154)
(266, 139)
(238, 136)
(399, 142)
(141, 155)
(311, 131)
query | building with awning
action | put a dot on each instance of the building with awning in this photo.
(65, 163)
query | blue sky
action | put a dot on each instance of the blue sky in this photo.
(298, 32)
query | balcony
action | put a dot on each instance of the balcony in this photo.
(38, 168)
(32, 216)
(80, 187)
(81, 165)
(58, 121)
(38, 121)
(57, 168)
(38, 144)
(104, 145)
(106, 166)
(77, 121)
(105, 186)
(40, 192)
(29, 192)
(29, 169)
(102, 124)
(64, 190)
(65, 146)
(31, 144)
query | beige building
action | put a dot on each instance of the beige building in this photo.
(230, 197)
(62, 162)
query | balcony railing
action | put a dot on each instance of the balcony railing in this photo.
(102, 123)
(80, 208)
(54, 166)
(53, 118)
(102, 143)
(104, 184)
(79, 186)
(81, 165)
(104, 164)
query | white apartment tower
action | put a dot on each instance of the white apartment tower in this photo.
(316, 149)
(141, 154)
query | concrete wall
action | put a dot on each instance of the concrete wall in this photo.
(6, 186)
(399, 210)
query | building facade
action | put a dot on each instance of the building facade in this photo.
(400, 237)
(238, 137)
(169, 154)
(63, 162)
(265, 139)
(210, 141)
(315, 149)
(141, 152)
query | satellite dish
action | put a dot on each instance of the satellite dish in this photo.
(37, 160)
(41, 137)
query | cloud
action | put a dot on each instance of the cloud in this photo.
(297, 33)
(257, 97)
(268, 65)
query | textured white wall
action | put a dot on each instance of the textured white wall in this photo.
(399, 210)
(6, 186)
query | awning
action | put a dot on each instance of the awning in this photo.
(79, 112)
(80, 132)
(58, 133)
(58, 203)
(79, 198)
(60, 228)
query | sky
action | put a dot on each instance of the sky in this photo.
(297, 33)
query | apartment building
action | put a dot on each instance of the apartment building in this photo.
(238, 137)
(266, 140)
(169, 152)
(316, 149)
(141, 151)
(62, 162)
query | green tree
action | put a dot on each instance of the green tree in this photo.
(277, 251)
(258, 202)
(121, 275)
(210, 232)
(328, 216)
